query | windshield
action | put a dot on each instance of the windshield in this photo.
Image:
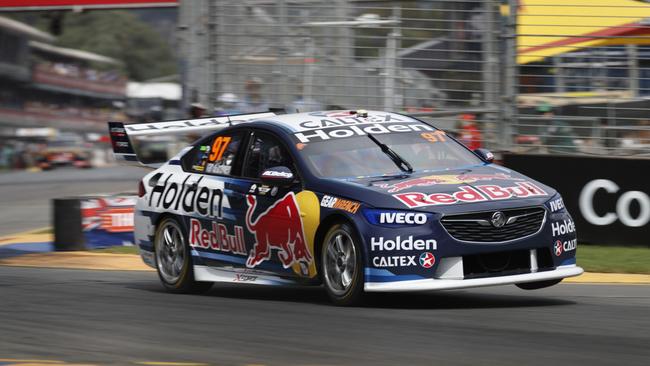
(360, 156)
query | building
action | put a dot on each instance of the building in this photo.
(42, 85)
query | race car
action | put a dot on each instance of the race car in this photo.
(358, 201)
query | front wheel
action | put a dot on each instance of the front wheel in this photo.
(342, 265)
(174, 261)
(537, 285)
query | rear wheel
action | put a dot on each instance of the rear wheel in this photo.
(174, 260)
(537, 285)
(342, 265)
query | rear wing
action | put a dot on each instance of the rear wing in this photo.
(122, 134)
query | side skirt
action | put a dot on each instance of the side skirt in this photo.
(238, 275)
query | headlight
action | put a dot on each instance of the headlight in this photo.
(395, 217)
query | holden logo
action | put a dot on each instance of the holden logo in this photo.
(498, 219)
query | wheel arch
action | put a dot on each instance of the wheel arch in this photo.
(324, 226)
(166, 215)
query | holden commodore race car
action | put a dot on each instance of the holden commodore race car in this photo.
(357, 201)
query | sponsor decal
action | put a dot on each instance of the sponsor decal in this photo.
(381, 244)
(260, 190)
(192, 124)
(114, 215)
(432, 180)
(411, 218)
(342, 113)
(279, 227)
(276, 174)
(427, 260)
(240, 277)
(563, 228)
(566, 246)
(184, 196)
(108, 221)
(623, 210)
(394, 261)
(217, 238)
(556, 204)
(558, 248)
(343, 130)
(340, 203)
(118, 131)
(467, 194)
(344, 118)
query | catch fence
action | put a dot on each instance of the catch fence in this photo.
(534, 75)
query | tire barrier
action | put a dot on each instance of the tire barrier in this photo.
(92, 222)
(609, 198)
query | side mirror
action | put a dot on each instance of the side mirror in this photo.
(277, 176)
(485, 154)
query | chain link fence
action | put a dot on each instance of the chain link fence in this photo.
(535, 75)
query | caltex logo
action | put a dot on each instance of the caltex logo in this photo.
(427, 260)
(558, 248)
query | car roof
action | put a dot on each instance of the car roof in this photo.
(298, 122)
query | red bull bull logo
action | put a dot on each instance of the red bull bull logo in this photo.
(279, 227)
(432, 180)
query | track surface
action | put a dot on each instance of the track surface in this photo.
(25, 196)
(124, 317)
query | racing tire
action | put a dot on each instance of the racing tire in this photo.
(173, 259)
(342, 265)
(537, 285)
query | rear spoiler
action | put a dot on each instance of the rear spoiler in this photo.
(121, 133)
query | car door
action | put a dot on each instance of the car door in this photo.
(215, 231)
(273, 218)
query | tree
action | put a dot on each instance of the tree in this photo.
(120, 35)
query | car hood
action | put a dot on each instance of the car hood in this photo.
(476, 188)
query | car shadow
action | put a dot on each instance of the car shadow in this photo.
(444, 299)
(448, 299)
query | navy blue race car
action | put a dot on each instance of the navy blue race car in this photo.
(356, 201)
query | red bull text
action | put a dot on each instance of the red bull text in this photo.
(466, 194)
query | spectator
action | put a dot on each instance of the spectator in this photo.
(301, 104)
(468, 132)
(226, 105)
(253, 102)
(638, 140)
(559, 134)
(197, 110)
(5, 156)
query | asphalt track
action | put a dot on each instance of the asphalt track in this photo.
(25, 197)
(120, 318)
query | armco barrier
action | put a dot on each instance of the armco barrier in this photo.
(607, 197)
(91, 222)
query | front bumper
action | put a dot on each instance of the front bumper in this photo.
(449, 284)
